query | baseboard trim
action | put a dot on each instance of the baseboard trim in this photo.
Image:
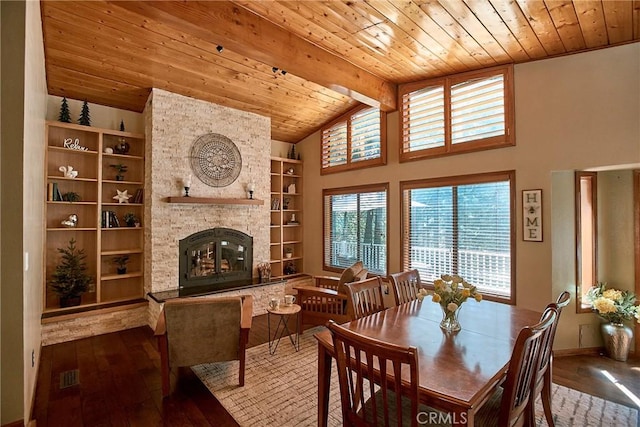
(588, 351)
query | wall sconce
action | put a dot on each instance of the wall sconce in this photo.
(250, 189)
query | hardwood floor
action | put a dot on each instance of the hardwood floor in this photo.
(119, 383)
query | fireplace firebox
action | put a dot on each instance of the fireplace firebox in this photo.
(216, 256)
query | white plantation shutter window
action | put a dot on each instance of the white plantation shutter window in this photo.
(423, 119)
(334, 145)
(477, 109)
(463, 229)
(355, 228)
(365, 135)
(457, 114)
(354, 140)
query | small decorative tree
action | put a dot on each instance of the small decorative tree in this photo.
(85, 118)
(121, 263)
(70, 280)
(121, 170)
(64, 116)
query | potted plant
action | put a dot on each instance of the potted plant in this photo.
(288, 252)
(70, 279)
(121, 169)
(131, 220)
(71, 197)
(121, 263)
(615, 307)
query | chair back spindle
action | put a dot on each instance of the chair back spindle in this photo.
(405, 285)
(364, 297)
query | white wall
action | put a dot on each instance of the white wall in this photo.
(101, 116)
(35, 95)
(279, 148)
(573, 112)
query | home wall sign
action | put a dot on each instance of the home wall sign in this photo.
(215, 160)
(532, 215)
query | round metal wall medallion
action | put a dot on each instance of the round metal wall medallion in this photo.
(215, 160)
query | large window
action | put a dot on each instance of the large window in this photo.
(355, 227)
(460, 113)
(586, 236)
(462, 225)
(355, 140)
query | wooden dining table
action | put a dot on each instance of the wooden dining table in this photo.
(459, 371)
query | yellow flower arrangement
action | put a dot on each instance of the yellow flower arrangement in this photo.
(613, 305)
(450, 291)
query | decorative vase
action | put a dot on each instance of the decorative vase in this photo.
(449, 321)
(617, 340)
(264, 277)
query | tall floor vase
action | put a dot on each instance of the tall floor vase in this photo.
(617, 340)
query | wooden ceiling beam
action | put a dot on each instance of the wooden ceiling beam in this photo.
(237, 29)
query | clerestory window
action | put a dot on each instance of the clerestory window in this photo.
(355, 140)
(461, 113)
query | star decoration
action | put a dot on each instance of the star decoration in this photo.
(122, 196)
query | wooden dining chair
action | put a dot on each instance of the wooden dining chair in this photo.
(509, 406)
(364, 297)
(542, 386)
(405, 285)
(365, 403)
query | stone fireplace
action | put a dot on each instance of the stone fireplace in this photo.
(172, 123)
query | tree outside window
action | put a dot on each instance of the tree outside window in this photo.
(355, 228)
(461, 226)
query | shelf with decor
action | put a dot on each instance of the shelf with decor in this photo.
(286, 255)
(88, 172)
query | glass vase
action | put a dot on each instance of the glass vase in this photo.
(617, 340)
(449, 321)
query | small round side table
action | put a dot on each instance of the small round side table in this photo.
(284, 312)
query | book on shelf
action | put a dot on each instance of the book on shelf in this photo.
(57, 195)
(139, 196)
(53, 192)
(109, 219)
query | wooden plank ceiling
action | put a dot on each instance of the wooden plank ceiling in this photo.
(337, 54)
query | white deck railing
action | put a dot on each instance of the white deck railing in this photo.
(489, 271)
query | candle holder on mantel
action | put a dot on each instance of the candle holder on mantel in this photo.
(250, 189)
(186, 183)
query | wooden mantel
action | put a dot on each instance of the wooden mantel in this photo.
(213, 201)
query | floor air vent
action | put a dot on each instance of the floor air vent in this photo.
(69, 378)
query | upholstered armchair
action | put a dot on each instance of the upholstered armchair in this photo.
(327, 300)
(192, 331)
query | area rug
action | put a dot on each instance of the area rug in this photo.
(281, 390)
